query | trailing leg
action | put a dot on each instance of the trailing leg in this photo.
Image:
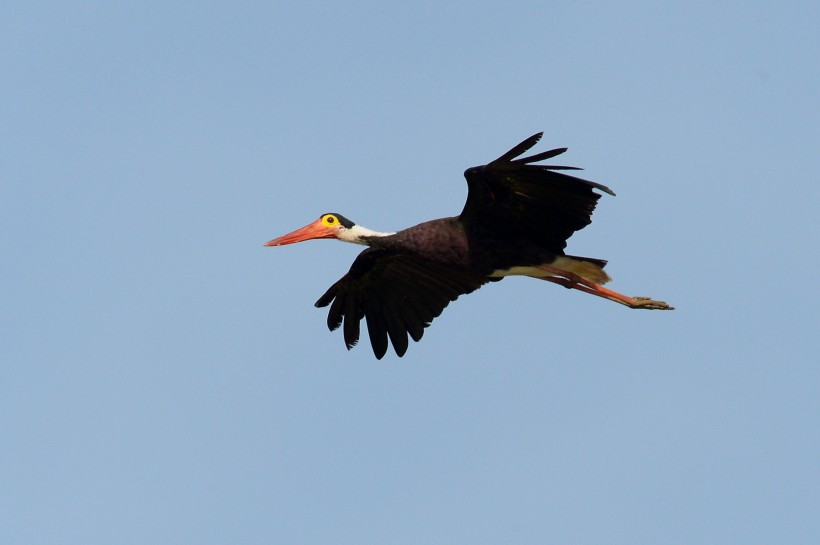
(573, 281)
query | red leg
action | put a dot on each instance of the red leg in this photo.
(573, 281)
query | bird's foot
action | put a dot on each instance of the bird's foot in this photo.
(650, 304)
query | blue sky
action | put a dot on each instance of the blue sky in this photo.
(166, 379)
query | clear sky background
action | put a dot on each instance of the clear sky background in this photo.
(166, 379)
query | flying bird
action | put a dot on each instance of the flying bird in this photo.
(516, 221)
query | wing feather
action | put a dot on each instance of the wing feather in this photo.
(523, 201)
(413, 320)
(376, 327)
(397, 293)
(351, 327)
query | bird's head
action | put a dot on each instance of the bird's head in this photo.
(330, 225)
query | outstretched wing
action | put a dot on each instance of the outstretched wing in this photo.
(397, 293)
(517, 199)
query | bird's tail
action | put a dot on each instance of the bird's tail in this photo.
(588, 268)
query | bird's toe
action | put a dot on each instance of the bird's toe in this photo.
(651, 304)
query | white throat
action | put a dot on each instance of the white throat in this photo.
(357, 234)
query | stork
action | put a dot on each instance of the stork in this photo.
(516, 221)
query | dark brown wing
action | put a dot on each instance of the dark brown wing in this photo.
(398, 294)
(514, 198)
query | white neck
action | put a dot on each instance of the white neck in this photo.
(357, 234)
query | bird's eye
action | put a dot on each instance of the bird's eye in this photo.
(330, 220)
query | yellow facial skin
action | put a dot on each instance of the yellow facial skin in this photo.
(330, 220)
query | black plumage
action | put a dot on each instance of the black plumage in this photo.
(516, 220)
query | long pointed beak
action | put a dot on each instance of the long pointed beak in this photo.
(308, 232)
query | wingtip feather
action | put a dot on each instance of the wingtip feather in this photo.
(519, 149)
